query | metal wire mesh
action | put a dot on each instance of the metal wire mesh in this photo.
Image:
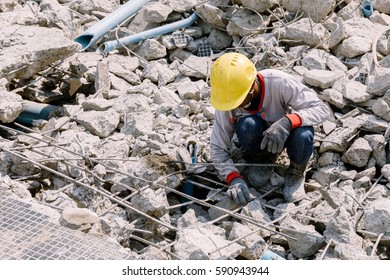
(28, 235)
(180, 39)
(204, 49)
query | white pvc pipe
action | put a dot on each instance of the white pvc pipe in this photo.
(135, 38)
(95, 32)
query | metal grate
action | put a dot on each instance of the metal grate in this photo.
(362, 78)
(204, 49)
(28, 235)
(180, 39)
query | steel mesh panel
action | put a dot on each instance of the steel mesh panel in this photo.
(180, 39)
(204, 49)
(28, 235)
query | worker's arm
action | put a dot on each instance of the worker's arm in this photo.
(304, 101)
(308, 109)
(221, 136)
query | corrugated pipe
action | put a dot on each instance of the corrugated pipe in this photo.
(97, 31)
(33, 111)
(135, 38)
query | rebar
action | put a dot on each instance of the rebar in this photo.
(376, 244)
(140, 239)
(81, 156)
(326, 249)
(117, 200)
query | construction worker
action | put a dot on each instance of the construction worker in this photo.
(268, 110)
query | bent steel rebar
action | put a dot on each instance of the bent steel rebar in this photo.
(135, 38)
(98, 30)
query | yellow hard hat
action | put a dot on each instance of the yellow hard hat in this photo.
(231, 78)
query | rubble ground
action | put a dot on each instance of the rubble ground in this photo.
(103, 139)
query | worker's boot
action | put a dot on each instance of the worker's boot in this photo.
(294, 181)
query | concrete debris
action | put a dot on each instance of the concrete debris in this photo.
(376, 216)
(11, 105)
(81, 219)
(308, 240)
(28, 50)
(254, 244)
(118, 158)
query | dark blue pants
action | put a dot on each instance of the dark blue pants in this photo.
(300, 143)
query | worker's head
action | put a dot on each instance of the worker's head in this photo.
(232, 77)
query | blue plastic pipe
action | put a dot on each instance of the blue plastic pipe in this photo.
(33, 111)
(135, 38)
(367, 8)
(269, 255)
(97, 31)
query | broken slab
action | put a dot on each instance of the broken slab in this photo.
(243, 22)
(159, 72)
(335, 98)
(377, 216)
(355, 45)
(345, 251)
(213, 237)
(380, 82)
(341, 195)
(381, 5)
(356, 92)
(211, 14)
(341, 228)
(337, 140)
(378, 143)
(308, 240)
(254, 244)
(156, 12)
(11, 105)
(316, 9)
(151, 49)
(81, 219)
(182, 6)
(197, 67)
(315, 59)
(360, 27)
(99, 123)
(255, 211)
(358, 153)
(32, 49)
(321, 78)
(151, 202)
(352, 10)
(304, 31)
(124, 67)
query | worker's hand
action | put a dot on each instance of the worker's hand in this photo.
(238, 191)
(276, 135)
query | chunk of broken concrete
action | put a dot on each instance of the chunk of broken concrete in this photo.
(308, 240)
(377, 216)
(99, 123)
(81, 219)
(33, 48)
(208, 238)
(358, 153)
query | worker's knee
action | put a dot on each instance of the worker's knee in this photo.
(250, 132)
(300, 144)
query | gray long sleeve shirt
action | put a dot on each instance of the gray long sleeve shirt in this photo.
(282, 95)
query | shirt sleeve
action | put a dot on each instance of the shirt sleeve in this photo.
(303, 100)
(222, 133)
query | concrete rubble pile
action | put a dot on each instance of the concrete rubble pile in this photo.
(109, 157)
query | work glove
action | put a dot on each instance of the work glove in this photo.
(238, 191)
(276, 135)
